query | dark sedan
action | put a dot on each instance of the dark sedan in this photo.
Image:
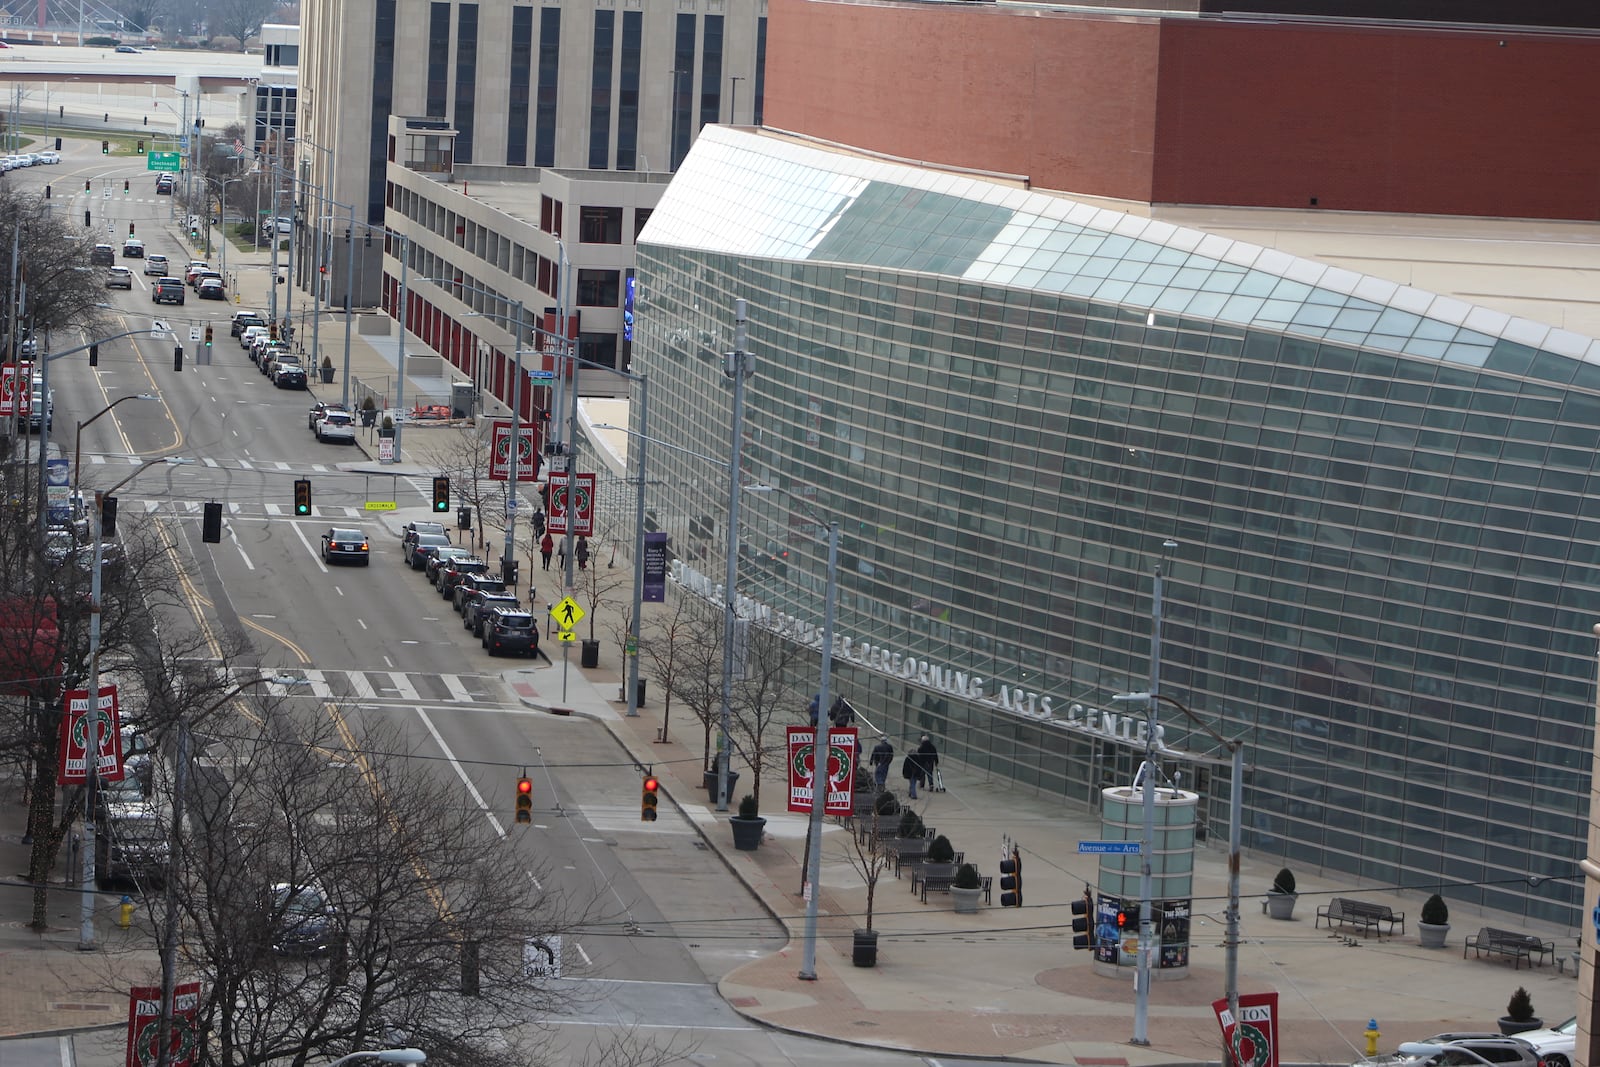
(422, 548)
(347, 546)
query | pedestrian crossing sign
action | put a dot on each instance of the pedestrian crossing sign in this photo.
(567, 614)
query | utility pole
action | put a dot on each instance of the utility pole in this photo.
(737, 366)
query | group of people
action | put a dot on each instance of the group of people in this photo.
(580, 551)
(920, 767)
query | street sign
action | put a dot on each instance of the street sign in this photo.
(1110, 848)
(566, 635)
(385, 450)
(567, 613)
(56, 472)
(195, 333)
(163, 161)
(541, 376)
(380, 505)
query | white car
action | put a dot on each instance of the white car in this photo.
(249, 334)
(48, 157)
(336, 426)
(1554, 1046)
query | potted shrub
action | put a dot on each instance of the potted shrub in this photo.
(327, 371)
(884, 805)
(910, 825)
(387, 428)
(966, 889)
(1282, 895)
(1435, 922)
(1519, 1016)
(748, 825)
(941, 860)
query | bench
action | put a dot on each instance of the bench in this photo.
(941, 883)
(915, 859)
(1517, 947)
(1368, 916)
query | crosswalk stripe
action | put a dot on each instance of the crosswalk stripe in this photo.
(208, 461)
(403, 684)
(358, 682)
(458, 692)
(319, 684)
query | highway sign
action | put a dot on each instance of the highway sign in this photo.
(567, 613)
(163, 161)
(1110, 848)
(380, 505)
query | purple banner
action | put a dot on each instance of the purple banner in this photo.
(655, 568)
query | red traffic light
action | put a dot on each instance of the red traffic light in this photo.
(524, 800)
(648, 800)
(651, 784)
(1122, 920)
(524, 785)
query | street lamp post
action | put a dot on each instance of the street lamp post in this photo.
(737, 365)
(77, 446)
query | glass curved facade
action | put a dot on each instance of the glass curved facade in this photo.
(1385, 503)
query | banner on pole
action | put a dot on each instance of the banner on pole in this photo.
(1252, 1038)
(840, 763)
(583, 510)
(655, 568)
(500, 452)
(144, 1025)
(74, 766)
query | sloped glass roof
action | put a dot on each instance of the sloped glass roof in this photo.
(745, 193)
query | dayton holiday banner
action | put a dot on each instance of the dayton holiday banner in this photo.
(144, 1025)
(1252, 1039)
(841, 763)
(74, 766)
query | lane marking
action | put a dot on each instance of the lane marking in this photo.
(461, 773)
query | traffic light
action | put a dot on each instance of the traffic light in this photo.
(302, 497)
(105, 148)
(177, 357)
(208, 336)
(1082, 931)
(108, 516)
(1011, 880)
(441, 494)
(194, 230)
(86, 185)
(1123, 919)
(94, 355)
(141, 147)
(130, 229)
(125, 185)
(648, 800)
(86, 217)
(211, 525)
(524, 801)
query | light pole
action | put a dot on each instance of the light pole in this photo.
(222, 200)
(737, 365)
(77, 446)
(388, 1055)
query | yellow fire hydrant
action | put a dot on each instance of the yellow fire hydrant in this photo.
(125, 912)
(1372, 1037)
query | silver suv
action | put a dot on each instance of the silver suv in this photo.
(1461, 1050)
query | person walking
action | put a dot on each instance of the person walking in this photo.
(581, 553)
(546, 548)
(928, 763)
(882, 760)
(561, 555)
(911, 771)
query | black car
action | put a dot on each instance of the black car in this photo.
(304, 922)
(410, 530)
(448, 575)
(421, 547)
(478, 609)
(433, 557)
(346, 544)
(511, 630)
(102, 256)
(246, 318)
(290, 377)
(473, 584)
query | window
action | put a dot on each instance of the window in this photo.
(600, 225)
(466, 79)
(438, 89)
(641, 215)
(600, 91)
(544, 137)
(599, 288)
(517, 97)
(628, 87)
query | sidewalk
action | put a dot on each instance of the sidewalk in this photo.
(1002, 983)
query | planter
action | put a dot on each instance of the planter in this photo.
(864, 950)
(710, 782)
(1281, 905)
(747, 833)
(1432, 935)
(965, 900)
(327, 375)
(1510, 1026)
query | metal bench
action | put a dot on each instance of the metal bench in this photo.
(1362, 913)
(1516, 947)
(940, 883)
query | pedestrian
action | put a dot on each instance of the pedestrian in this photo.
(581, 553)
(546, 547)
(928, 761)
(882, 760)
(561, 554)
(911, 771)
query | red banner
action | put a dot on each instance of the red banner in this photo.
(16, 389)
(144, 1025)
(583, 524)
(1253, 1037)
(500, 452)
(74, 766)
(841, 764)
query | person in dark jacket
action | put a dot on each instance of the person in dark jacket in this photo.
(924, 761)
(581, 553)
(882, 760)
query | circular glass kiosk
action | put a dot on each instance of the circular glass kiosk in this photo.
(1116, 905)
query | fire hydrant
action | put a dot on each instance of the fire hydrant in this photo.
(125, 912)
(1372, 1037)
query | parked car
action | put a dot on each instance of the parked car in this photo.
(131, 845)
(48, 156)
(335, 426)
(441, 556)
(247, 338)
(420, 549)
(167, 291)
(127, 50)
(242, 319)
(449, 574)
(342, 544)
(201, 275)
(410, 530)
(511, 630)
(211, 289)
(476, 613)
(133, 248)
(287, 375)
(1554, 1046)
(102, 256)
(195, 267)
(304, 922)
(119, 278)
(472, 585)
(1461, 1050)
(155, 265)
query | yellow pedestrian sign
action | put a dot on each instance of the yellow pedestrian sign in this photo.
(566, 635)
(567, 614)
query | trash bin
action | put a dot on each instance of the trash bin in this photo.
(638, 693)
(464, 518)
(369, 417)
(590, 653)
(864, 949)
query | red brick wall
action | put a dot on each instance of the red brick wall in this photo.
(1202, 111)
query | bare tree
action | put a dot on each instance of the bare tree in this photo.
(766, 693)
(464, 459)
(696, 676)
(663, 637)
(871, 849)
(239, 19)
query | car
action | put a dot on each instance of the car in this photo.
(268, 353)
(1554, 1046)
(274, 357)
(211, 289)
(285, 224)
(132, 844)
(318, 411)
(292, 376)
(195, 267)
(448, 574)
(48, 157)
(242, 319)
(438, 557)
(511, 630)
(165, 185)
(347, 544)
(119, 278)
(102, 256)
(410, 530)
(1461, 1050)
(473, 584)
(127, 50)
(304, 923)
(476, 613)
(421, 549)
(167, 291)
(202, 275)
(248, 336)
(156, 265)
(335, 426)
(133, 248)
